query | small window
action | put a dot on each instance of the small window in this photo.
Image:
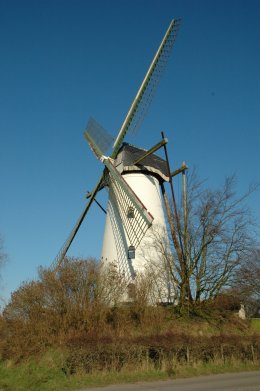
(131, 212)
(131, 252)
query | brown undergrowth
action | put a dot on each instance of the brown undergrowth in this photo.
(70, 312)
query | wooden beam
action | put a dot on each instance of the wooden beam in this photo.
(185, 210)
(151, 150)
(171, 224)
(179, 170)
(180, 251)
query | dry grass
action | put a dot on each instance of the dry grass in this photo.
(70, 314)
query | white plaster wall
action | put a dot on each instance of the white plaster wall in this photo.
(147, 189)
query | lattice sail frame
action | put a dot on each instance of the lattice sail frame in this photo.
(97, 137)
(147, 89)
(153, 81)
(127, 202)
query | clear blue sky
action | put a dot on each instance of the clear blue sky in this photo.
(63, 61)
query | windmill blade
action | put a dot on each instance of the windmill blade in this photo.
(97, 137)
(134, 215)
(147, 89)
(63, 251)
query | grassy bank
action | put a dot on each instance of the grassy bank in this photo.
(132, 351)
(58, 333)
(255, 324)
(46, 374)
(88, 363)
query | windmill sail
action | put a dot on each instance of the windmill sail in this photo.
(64, 249)
(97, 137)
(134, 215)
(147, 89)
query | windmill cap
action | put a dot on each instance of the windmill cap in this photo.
(153, 164)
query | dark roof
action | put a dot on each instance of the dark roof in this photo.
(152, 163)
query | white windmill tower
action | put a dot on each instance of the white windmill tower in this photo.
(134, 177)
(128, 240)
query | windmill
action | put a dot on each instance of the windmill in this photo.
(133, 177)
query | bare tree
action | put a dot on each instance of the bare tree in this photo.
(3, 255)
(248, 275)
(3, 258)
(218, 238)
(247, 283)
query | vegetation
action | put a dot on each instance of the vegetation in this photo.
(247, 283)
(3, 258)
(2, 253)
(255, 323)
(211, 239)
(45, 375)
(60, 333)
